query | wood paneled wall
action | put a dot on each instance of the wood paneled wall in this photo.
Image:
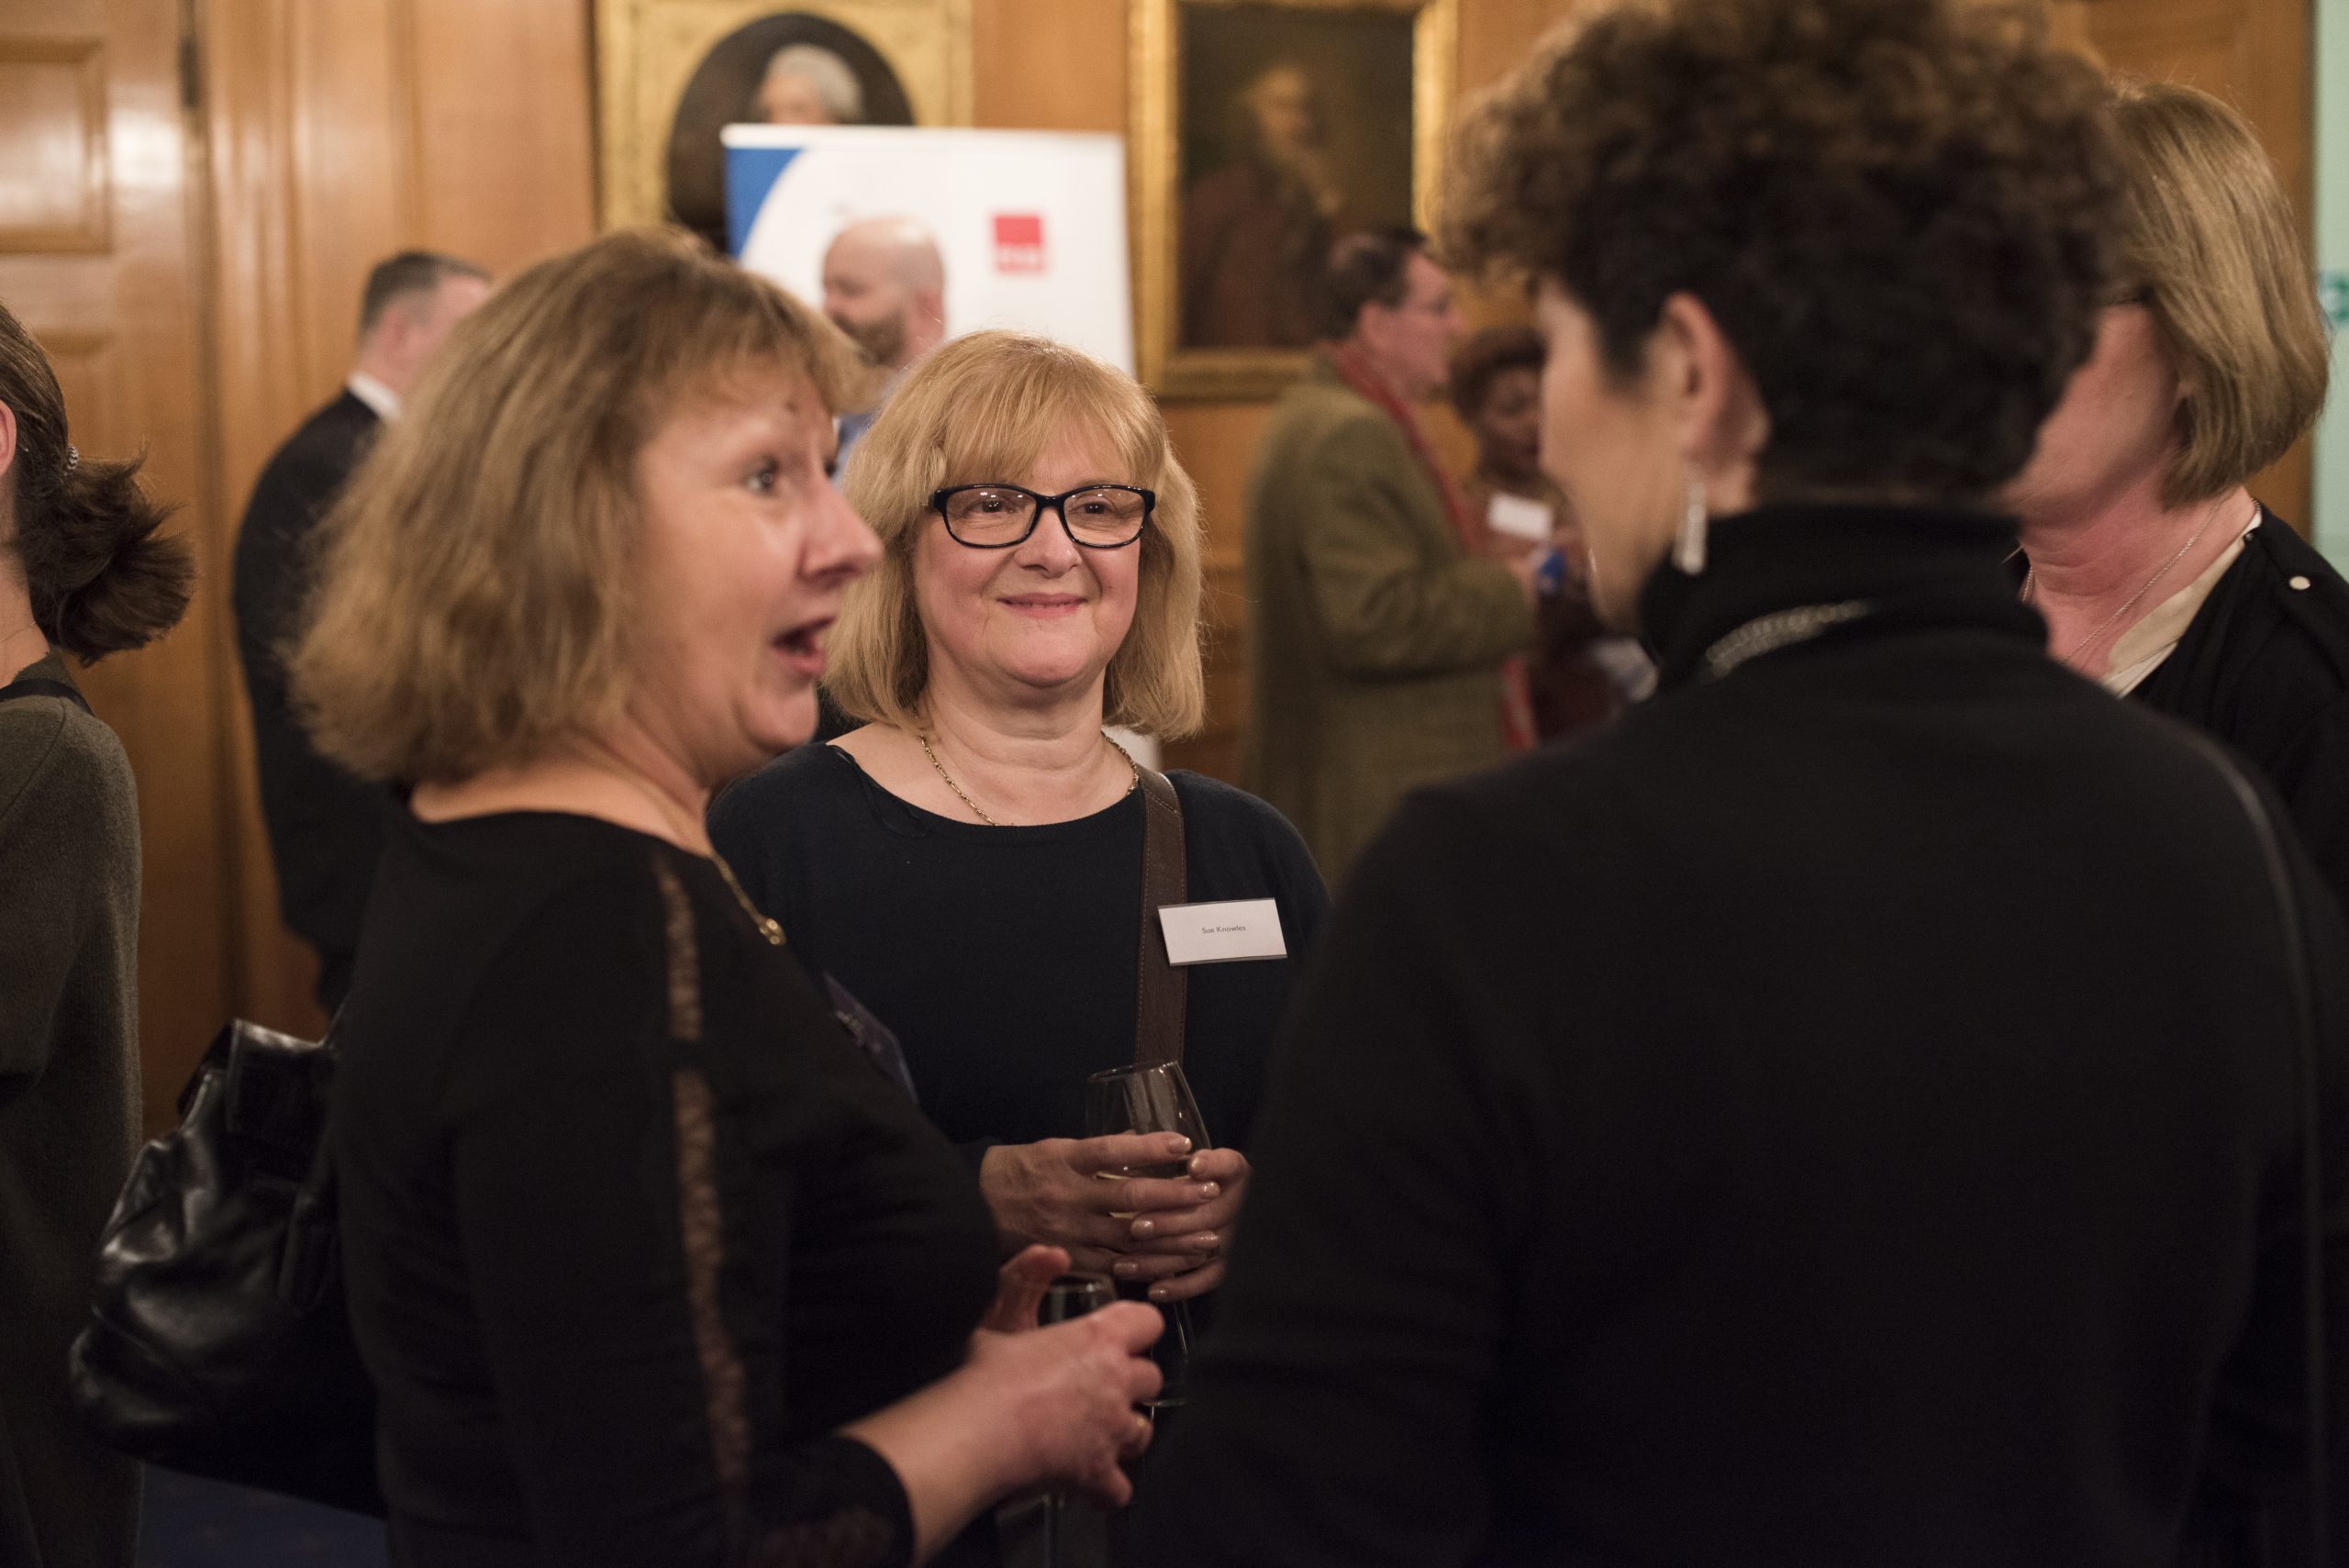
(338, 135)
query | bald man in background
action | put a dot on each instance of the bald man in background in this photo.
(884, 286)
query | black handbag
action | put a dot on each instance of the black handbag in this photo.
(218, 1343)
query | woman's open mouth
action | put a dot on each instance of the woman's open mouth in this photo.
(803, 647)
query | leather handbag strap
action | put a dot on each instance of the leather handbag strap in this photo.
(1159, 987)
(33, 686)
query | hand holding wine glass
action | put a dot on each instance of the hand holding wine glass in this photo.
(1052, 1192)
(1156, 1098)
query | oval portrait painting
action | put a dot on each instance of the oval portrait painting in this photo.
(791, 68)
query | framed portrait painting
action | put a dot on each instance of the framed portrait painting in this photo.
(1263, 129)
(672, 73)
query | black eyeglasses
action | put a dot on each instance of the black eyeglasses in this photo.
(996, 516)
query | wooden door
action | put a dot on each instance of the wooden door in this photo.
(98, 215)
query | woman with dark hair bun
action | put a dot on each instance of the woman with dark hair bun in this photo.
(81, 573)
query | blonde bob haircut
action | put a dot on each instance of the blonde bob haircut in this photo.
(983, 408)
(475, 592)
(2212, 242)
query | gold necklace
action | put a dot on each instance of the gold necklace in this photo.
(964, 797)
(766, 925)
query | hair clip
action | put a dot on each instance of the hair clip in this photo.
(73, 457)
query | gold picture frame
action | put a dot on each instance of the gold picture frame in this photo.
(1179, 357)
(649, 52)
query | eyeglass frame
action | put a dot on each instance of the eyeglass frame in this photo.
(1057, 505)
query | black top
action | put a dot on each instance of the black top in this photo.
(326, 826)
(2265, 667)
(1842, 1113)
(1004, 958)
(631, 1226)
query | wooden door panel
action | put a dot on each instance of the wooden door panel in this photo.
(53, 121)
(98, 263)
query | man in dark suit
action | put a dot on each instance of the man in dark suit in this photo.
(326, 827)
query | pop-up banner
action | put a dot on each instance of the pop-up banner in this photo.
(1031, 223)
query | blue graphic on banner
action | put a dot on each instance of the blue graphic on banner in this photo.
(2334, 289)
(751, 174)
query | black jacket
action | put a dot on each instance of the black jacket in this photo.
(2265, 667)
(326, 827)
(1843, 1114)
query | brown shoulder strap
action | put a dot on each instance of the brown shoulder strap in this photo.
(1161, 987)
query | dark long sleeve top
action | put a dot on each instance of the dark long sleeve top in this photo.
(69, 1110)
(1004, 958)
(1843, 1114)
(631, 1226)
(326, 826)
(2265, 667)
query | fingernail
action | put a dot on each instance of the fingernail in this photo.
(1143, 1228)
(1158, 1292)
(1182, 1145)
(1208, 1191)
(1206, 1241)
(1125, 1271)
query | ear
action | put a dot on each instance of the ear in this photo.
(1723, 425)
(7, 442)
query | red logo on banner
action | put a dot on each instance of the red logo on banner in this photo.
(1018, 242)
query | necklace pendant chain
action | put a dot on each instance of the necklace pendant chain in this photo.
(963, 796)
(2031, 575)
(768, 926)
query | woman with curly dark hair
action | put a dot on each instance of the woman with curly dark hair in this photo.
(1906, 1169)
(81, 573)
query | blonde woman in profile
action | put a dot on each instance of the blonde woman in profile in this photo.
(1039, 578)
(649, 1264)
(2156, 571)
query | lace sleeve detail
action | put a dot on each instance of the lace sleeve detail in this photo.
(855, 1536)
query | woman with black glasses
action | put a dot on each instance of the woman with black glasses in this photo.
(969, 862)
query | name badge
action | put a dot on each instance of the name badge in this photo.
(1521, 519)
(1222, 933)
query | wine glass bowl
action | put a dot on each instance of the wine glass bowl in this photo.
(1074, 1296)
(1156, 1098)
(1151, 1098)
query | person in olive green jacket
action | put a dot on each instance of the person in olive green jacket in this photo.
(1380, 638)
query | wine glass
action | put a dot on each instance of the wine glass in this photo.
(1074, 1534)
(1156, 1098)
(1074, 1296)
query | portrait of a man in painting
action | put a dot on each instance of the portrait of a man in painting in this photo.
(789, 68)
(1297, 129)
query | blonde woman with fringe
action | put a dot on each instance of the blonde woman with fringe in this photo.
(649, 1265)
(969, 862)
(2156, 571)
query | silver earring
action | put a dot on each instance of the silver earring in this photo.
(72, 458)
(1689, 549)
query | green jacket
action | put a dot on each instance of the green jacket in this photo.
(1376, 639)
